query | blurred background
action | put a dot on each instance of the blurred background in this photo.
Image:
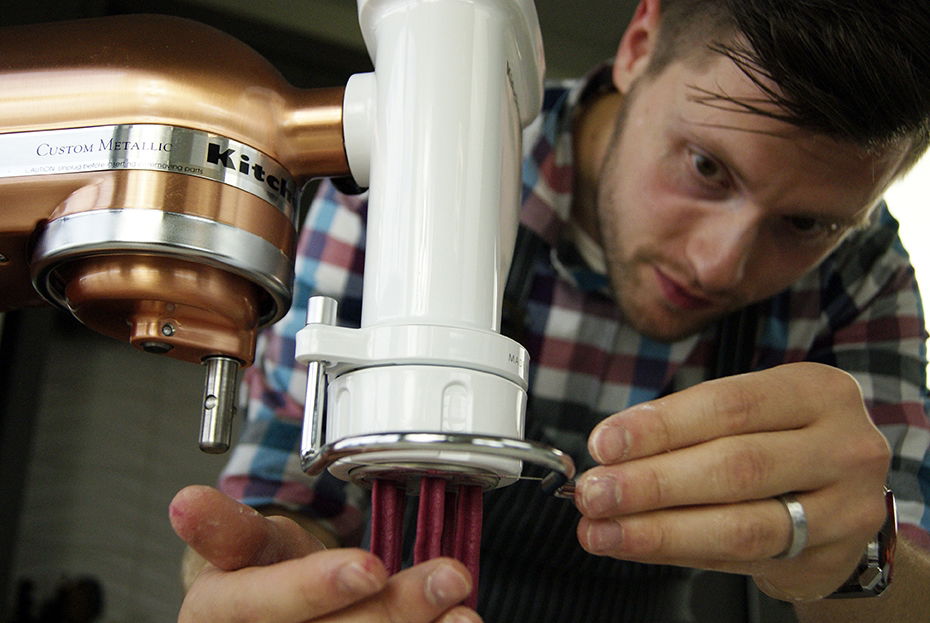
(95, 437)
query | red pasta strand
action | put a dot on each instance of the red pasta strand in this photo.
(387, 523)
(430, 518)
(468, 534)
(448, 526)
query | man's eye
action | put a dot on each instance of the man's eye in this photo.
(811, 227)
(708, 169)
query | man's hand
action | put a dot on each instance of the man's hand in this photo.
(691, 479)
(270, 569)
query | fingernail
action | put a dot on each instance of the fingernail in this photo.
(600, 495)
(446, 586)
(609, 444)
(457, 617)
(357, 580)
(604, 536)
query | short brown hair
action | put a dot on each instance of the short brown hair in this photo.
(855, 70)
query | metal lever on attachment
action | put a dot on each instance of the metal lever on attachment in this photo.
(219, 403)
(559, 481)
(320, 310)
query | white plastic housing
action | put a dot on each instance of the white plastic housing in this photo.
(431, 398)
(435, 132)
(455, 82)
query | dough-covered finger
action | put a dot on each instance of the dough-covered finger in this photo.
(231, 535)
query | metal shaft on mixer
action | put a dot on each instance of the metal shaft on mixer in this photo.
(219, 403)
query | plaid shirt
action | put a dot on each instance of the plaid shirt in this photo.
(859, 311)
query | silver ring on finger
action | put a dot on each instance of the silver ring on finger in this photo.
(799, 531)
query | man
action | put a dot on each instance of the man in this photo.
(729, 164)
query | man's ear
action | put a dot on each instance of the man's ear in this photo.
(637, 44)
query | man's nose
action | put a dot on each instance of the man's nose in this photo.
(719, 248)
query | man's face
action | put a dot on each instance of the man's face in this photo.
(704, 208)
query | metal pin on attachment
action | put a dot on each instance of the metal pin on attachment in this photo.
(320, 310)
(219, 404)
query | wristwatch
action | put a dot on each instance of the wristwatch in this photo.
(873, 573)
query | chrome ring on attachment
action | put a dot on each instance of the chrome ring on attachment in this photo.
(558, 482)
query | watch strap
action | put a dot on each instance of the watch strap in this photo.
(874, 571)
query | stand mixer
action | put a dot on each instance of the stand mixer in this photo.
(148, 172)
(149, 175)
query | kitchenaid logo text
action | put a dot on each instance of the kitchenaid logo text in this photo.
(104, 145)
(148, 147)
(242, 164)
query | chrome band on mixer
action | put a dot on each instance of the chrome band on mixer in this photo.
(149, 147)
(187, 236)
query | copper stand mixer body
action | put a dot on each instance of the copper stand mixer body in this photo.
(148, 177)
